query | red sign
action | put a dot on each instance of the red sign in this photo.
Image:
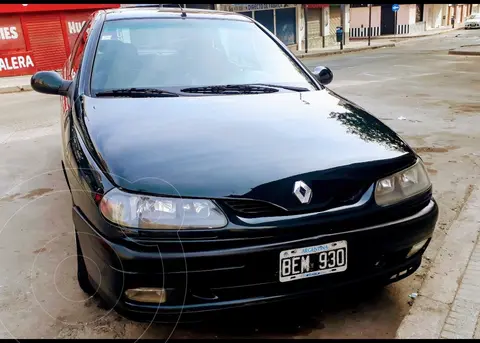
(73, 25)
(316, 5)
(20, 63)
(23, 8)
(11, 34)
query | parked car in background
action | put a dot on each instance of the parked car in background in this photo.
(210, 169)
(473, 21)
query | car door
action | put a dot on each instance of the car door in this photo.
(70, 72)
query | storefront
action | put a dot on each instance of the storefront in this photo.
(37, 37)
(281, 19)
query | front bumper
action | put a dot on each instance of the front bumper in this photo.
(472, 25)
(200, 282)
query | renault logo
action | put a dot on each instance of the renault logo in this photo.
(303, 192)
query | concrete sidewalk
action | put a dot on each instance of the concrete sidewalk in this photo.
(351, 47)
(467, 50)
(395, 38)
(448, 302)
(15, 84)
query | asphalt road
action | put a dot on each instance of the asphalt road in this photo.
(429, 97)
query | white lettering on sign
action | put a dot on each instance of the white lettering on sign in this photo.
(8, 32)
(75, 27)
(15, 62)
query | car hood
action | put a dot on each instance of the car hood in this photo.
(250, 146)
(471, 21)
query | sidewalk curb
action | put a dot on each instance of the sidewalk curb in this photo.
(407, 37)
(465, 53)
(429, 312)
(336, 52)
(15, 89)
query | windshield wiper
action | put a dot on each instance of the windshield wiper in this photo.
(230, 89)
(291, 88)
(137, 92)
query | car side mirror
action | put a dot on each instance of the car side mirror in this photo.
(323, 74)
(50, 82)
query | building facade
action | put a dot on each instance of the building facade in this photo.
(283, 20)
(410, 18)
(37, 37)
(322, 23)
(384, 21)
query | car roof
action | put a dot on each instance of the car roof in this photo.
(170, 12)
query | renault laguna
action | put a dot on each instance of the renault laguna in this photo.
(209, 169)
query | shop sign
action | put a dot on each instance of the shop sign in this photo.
(20, 63)
(254, 7)
(73, 25)
(316, 5)
(11, 34)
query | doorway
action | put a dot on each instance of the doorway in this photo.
(387, 20)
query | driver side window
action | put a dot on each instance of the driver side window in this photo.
(78, 50)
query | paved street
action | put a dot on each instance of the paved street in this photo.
(417, 88)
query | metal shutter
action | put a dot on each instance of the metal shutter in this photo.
(335, 19)
(46, 41)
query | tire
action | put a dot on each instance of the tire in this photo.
(82, 274)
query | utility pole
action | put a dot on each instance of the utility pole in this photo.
(342, 23)
(369, 23)
(454, 15)
(395, 24)
(305, 14)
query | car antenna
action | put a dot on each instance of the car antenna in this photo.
(184, 15)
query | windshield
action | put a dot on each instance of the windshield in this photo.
(162, 53)
(474, 16)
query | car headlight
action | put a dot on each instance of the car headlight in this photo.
(149, 212)
(402, 185)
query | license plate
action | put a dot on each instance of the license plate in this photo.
(302, 263)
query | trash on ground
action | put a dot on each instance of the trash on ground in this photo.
(413, 295)
(402, 118)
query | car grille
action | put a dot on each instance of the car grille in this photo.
(255, 208)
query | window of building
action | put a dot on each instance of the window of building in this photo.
(266, 18)
(248, 14)
(286, 25)
(280, 21)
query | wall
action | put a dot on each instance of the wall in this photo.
(459, 16)
(300, 28)
(437, 13)
(403, 15)
(465, 12)
(314, 17)
(359, 16)
(412, 17)
(475, 8)
(334, 21)
(23, 51)
(359, 21)
(417, 27)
